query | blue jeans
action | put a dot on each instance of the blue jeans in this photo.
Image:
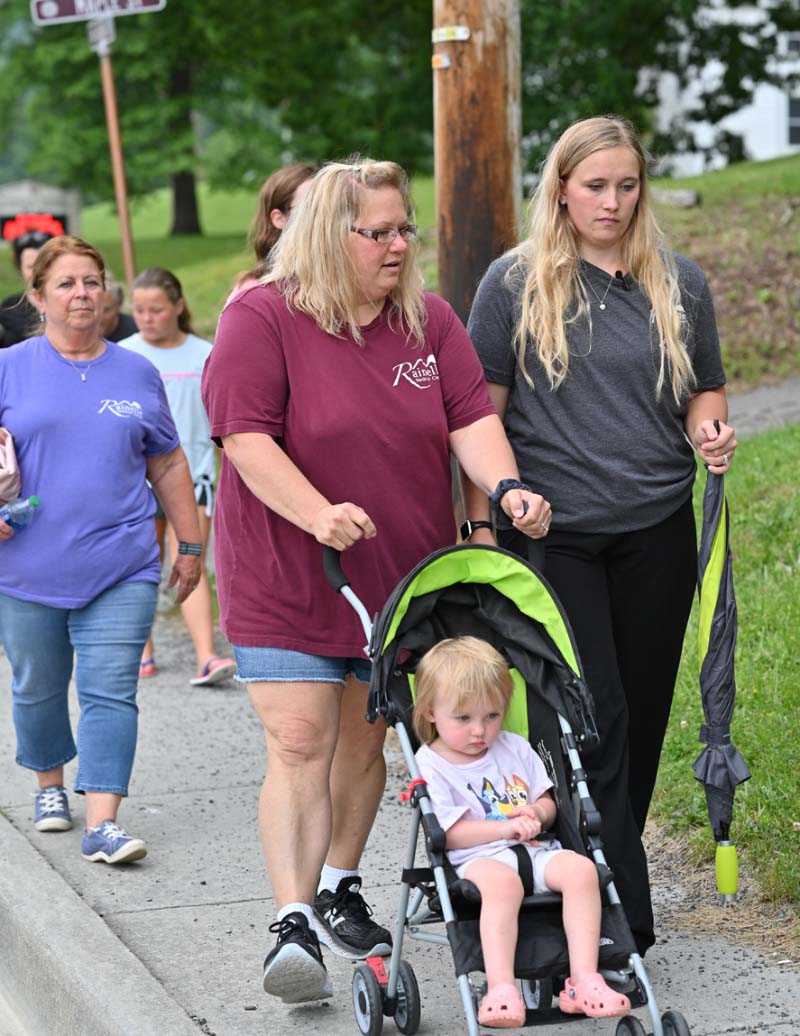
(106, 638)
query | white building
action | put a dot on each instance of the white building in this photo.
(769, 126)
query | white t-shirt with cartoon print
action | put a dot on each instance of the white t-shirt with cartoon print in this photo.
(509, 775)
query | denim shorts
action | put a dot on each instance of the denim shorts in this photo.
(279, 665)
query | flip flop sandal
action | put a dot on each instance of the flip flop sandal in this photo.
(216, 670)
(592, 997)
(502, 1008)
(147, 667)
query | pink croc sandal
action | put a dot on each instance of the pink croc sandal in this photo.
(502, 1008)
(592, 997)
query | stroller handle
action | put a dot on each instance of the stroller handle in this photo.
(332, 565)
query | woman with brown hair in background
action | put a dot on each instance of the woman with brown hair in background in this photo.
(279, 194)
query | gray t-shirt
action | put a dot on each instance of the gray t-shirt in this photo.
(608, 455)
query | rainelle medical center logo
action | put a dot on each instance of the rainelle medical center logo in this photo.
(121, 408)
(421, 374)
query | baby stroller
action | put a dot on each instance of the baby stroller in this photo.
(490, 593)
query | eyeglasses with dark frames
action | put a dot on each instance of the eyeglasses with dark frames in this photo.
(385, 237)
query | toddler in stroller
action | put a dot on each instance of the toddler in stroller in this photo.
(491, 795)
(494, 596)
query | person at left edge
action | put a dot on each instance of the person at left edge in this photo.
(18, 316)
(337, 388)
(91, 425)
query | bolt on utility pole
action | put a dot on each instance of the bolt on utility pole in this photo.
(477, 145)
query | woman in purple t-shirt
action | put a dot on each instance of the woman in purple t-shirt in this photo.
(78, 586)
(337, 389)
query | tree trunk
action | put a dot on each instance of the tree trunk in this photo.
(185, 213)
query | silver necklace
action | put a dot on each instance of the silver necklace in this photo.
(83, 372)
(601, 301)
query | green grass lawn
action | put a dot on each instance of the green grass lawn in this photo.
(778, 176)
(745, 236)
(762, 491)
(207, 265)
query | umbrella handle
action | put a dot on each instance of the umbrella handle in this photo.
(726, 869)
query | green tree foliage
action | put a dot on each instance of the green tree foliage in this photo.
(234, 88)
(166, 64)
(582, 58)
(230, 88)
(331, 79)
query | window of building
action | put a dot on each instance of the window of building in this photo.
(793, 42)
(794, 120)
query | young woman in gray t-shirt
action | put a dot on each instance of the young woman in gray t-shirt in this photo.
(601, 352)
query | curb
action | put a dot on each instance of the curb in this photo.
(63, 966)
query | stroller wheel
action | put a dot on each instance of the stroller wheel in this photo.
(674, 1024)
(630, 1026)
(407, 1012)
(367, 1001)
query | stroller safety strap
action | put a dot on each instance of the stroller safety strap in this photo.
(525, 868)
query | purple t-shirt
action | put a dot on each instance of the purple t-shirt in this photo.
(82, 448)
(369, 425)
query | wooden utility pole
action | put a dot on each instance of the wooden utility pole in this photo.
(118, 167)
(477, 147)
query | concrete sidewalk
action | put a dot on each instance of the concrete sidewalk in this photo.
(173, 945)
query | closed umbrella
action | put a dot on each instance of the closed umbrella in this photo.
(720, 766)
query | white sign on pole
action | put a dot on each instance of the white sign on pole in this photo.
(101, 33)
(53, 12)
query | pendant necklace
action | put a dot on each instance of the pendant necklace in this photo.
(601, 301)
(83, 372)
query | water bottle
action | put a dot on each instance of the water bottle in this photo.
(18, 513)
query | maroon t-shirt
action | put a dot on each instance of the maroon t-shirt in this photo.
(366, 424)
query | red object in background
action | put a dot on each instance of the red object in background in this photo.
(23, 222)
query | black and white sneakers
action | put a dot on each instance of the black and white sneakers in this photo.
(294, 969)
(344, 922)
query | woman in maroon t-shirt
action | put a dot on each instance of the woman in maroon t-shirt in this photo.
(337, 389)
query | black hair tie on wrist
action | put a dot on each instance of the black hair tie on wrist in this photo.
(190, 548)
(503, 486)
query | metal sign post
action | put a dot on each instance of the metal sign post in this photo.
(103, 30)
(99, 15)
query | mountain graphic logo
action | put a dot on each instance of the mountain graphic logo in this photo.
(421, 374)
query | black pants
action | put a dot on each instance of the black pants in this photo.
(628, 598)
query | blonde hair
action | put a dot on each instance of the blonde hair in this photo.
(459, 670)
(549, 261)
(312, 263)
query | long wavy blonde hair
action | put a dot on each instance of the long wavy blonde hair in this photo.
(312, 263)
(554, 295)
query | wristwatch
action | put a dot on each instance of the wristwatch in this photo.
(469, 527)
